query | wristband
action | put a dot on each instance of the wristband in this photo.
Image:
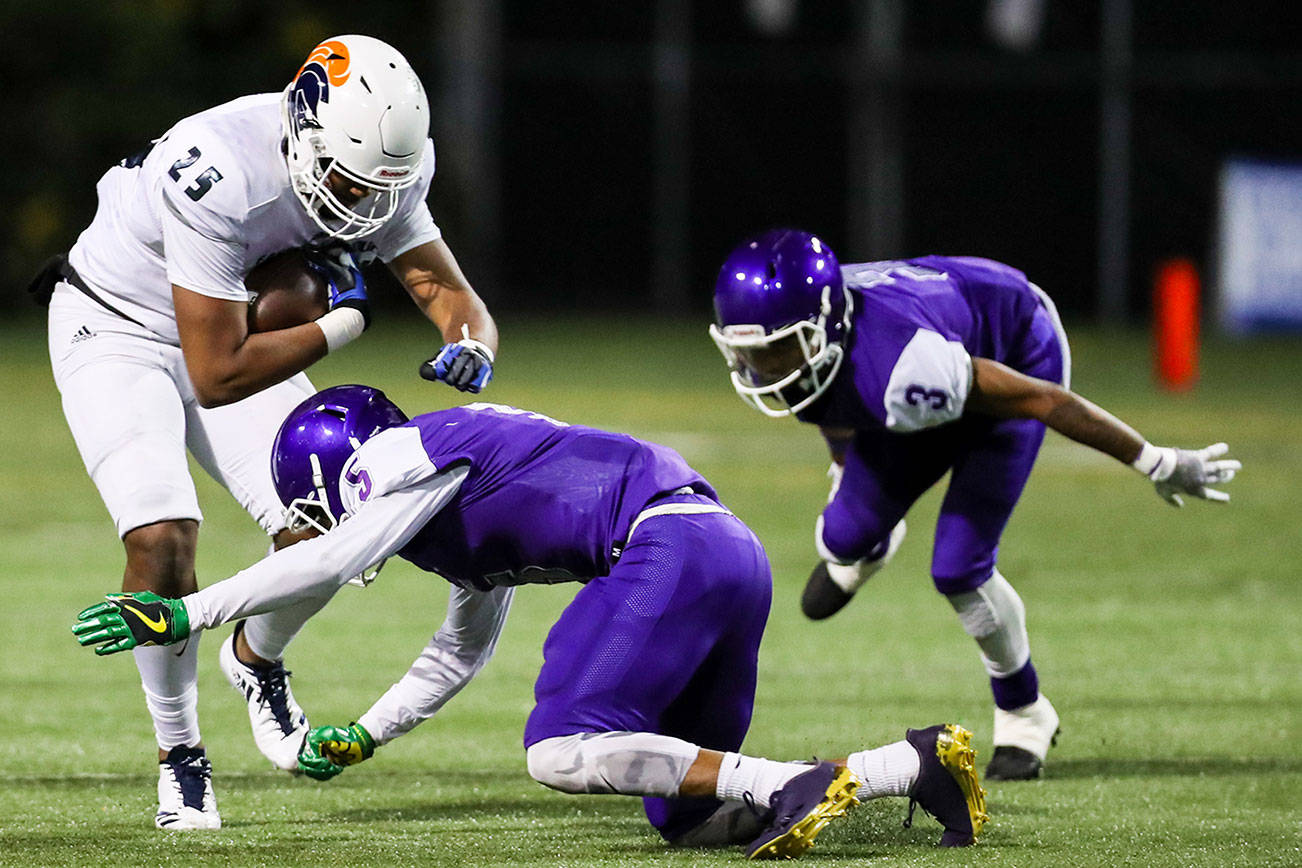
(472, 344)
(340, 326)
(1155, 462)
(468, 341)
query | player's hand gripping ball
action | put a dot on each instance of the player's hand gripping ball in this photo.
(288, 292)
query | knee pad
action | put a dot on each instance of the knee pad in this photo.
(995, 617)
(629, 763)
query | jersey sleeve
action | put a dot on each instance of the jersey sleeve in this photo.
(391, 460)
(203, 208)
(318, 567)
(460, 648)
(413, 224)
(929, 384)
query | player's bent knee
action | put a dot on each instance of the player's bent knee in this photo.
(160, 556)
(957, 575)
(731, 823)
(841, 540)
(630, 763)
(557, 763)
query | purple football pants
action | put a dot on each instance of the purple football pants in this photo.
(666, 643)
(991, 459)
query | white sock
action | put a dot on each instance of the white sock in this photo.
(760, 777)
(170, 682)
(885, 771)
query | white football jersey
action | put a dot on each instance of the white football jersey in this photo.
(205, 204)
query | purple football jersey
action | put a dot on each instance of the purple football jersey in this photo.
(916, 325)
(542, 502)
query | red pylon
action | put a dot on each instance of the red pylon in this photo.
(1175, 324)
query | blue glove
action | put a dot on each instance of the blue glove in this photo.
(343, 277)
(466, 365)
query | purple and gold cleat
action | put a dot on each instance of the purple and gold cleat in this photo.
(800, 810)
(947, 786)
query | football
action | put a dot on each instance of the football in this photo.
(286, 292)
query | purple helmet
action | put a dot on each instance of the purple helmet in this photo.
(782, 316)
(315, 441)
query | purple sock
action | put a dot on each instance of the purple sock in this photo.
(1016, 690)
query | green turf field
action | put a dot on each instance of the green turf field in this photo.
(1170, 641)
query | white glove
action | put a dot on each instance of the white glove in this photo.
(1187, 471)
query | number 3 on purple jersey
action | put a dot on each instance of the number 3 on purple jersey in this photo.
(916, 395)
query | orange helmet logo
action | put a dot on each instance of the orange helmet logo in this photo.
(331, 57)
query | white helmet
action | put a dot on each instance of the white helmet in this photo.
(355, 108)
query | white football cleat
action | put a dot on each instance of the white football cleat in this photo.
(185, 796)
(1022, 739)
(279, 725)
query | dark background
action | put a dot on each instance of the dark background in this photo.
(999, 148)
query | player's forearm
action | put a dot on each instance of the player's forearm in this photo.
(999, 391)
(460, 649)
(319, 567)
(460, 313)
(1087, 423)
(436, 283)
(286, 577)
(262, 360)
(838, 441)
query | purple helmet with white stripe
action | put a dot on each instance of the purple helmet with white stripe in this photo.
(781, 318)
(315, 441)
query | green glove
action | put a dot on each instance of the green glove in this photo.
(313, 764)
(127, 620)
(328, 749)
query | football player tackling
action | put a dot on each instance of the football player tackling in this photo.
(648, 678)
(913, 369)
(152, 355)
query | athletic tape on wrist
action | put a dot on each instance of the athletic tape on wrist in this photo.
(471, 343)
(1155, 462)
(340, 326)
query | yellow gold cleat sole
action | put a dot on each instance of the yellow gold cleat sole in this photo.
(836, 802)
(954, 749)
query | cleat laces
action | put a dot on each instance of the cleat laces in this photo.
(273, 683)
(190, 774)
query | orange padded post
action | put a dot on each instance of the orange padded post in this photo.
(1175, 324)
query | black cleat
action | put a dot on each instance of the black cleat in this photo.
(1023, 737)
(823, 597)
(1013, 764)
(947, 786)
